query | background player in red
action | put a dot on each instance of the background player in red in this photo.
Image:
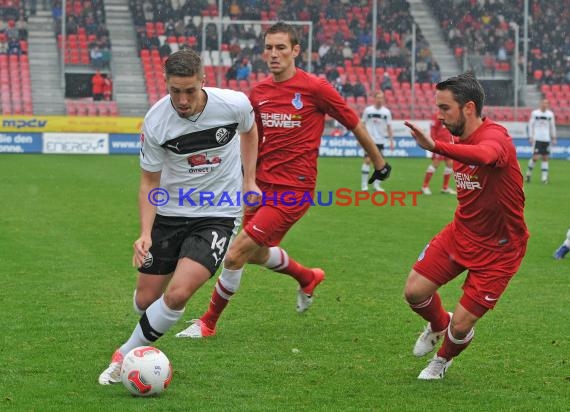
(290, 108)
(488, 234)
(439, 132)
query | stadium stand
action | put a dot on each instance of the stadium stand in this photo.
(15, 88)
(342, 50)
(483, 29)
(342, 41)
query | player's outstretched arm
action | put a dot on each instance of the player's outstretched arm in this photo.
(368, 145)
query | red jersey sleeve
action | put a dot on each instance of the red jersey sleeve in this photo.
(332, 103)
(490, 150)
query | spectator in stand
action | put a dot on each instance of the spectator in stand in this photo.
(97, 82)
(404, 76)
(96, 56)
(107, 89)
(234, 10)
(339, 86)
(434, 72)
(258, 65)
(102, 31)
(3, 44)
(231, 73)
(22, 26)
(164, 50)
(71, 26)
(243, 70)
(332, 73)
(12, 31)
(386, 82)
(359, 89)
(347, 51)
(347, 89)
(14, 46)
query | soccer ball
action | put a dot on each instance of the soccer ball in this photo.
(146, 371)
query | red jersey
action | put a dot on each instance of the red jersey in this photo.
(290, 119)
(438, 131)
(489, 189)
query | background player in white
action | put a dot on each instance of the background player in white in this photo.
(378, 121)
(542, 132)
(564, 248)
(189, 140)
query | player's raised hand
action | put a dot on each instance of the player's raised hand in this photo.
(423, 140)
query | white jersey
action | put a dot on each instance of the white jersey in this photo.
(199, 159)
(541, 125)
(377, 122)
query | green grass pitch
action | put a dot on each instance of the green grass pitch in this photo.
(67, 227)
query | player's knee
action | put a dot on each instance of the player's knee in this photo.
(137, 306)
(176, 298)
(234, 259)
(460, 329)
(142, 299)
(412, 295)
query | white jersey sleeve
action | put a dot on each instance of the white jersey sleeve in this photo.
(152, 154)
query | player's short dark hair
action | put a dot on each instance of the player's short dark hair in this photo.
(184, 63)
(465, 88)
(282, 27)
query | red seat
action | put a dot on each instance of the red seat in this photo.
(159, 28)
(113, 109)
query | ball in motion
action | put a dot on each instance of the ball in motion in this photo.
(146, 371)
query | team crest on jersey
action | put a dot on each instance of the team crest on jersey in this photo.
(222, 135)
(297, 102)
(202, 164)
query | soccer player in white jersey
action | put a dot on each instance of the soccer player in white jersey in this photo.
(191, 167)
(378, 121)
(542, 132)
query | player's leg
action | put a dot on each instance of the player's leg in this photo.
(149, 288)
(376, 183)
(485, 283)
(154, 275)
(364, 172)
(434, 268)
(161, 315)
(268, 227)
(564, 248)
(168, 309)
(544, 166)
(423, 298)
(531, 163)
(429, 174)
(447, 172)
(226, 286)
(278, 260)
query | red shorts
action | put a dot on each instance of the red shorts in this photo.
(435, 156)
(489, 271)
(281, 209)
